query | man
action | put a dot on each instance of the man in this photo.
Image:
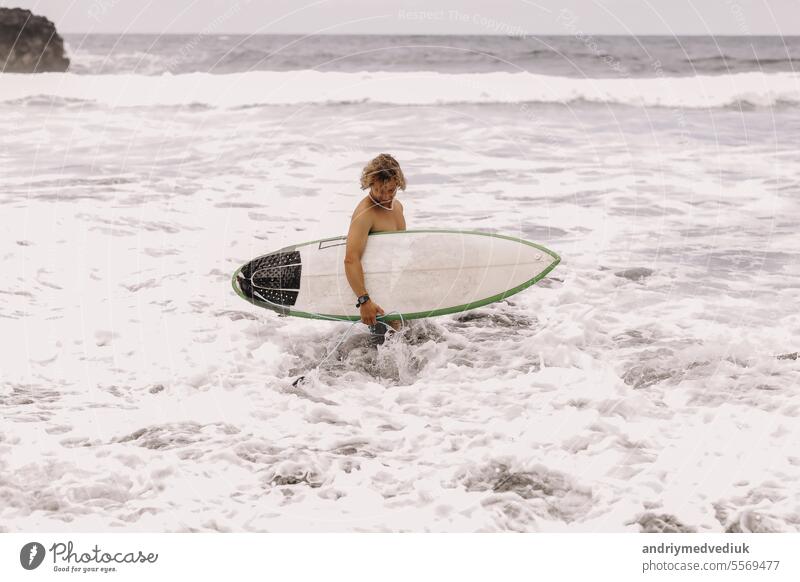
(379, 211)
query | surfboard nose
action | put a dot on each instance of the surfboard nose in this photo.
(272, 279)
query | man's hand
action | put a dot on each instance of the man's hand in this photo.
(369, 312)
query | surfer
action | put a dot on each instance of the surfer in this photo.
(378, 211)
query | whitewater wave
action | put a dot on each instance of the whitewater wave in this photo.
(399, 88)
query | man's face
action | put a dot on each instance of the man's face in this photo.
(384, 191)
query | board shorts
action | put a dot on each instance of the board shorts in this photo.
(378, 329)
(380, 332)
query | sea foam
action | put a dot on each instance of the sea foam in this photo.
(400, 88)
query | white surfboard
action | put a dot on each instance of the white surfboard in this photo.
(413, 273)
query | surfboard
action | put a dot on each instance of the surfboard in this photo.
(409, 273)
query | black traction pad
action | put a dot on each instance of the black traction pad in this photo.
(274, 278)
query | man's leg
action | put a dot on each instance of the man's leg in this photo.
(377, 333)
(395, 324)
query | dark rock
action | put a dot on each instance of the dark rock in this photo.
(30, 43)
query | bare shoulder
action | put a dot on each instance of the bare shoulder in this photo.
(363, 212)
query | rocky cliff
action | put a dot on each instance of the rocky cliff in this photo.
(29, 43)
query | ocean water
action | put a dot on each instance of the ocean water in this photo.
(649, 383)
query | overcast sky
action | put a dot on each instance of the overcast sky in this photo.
(421, 17)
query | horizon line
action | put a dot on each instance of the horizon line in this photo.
(523, 35)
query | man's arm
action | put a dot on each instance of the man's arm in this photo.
(402, 217)
(356, 243)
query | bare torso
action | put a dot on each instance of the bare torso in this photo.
(382, 220)
(369, 217)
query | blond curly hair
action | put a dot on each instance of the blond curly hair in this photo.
(382, 168)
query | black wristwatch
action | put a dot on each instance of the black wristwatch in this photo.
(362, 300)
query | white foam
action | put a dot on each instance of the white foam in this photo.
(140, 392)
(402, 88)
